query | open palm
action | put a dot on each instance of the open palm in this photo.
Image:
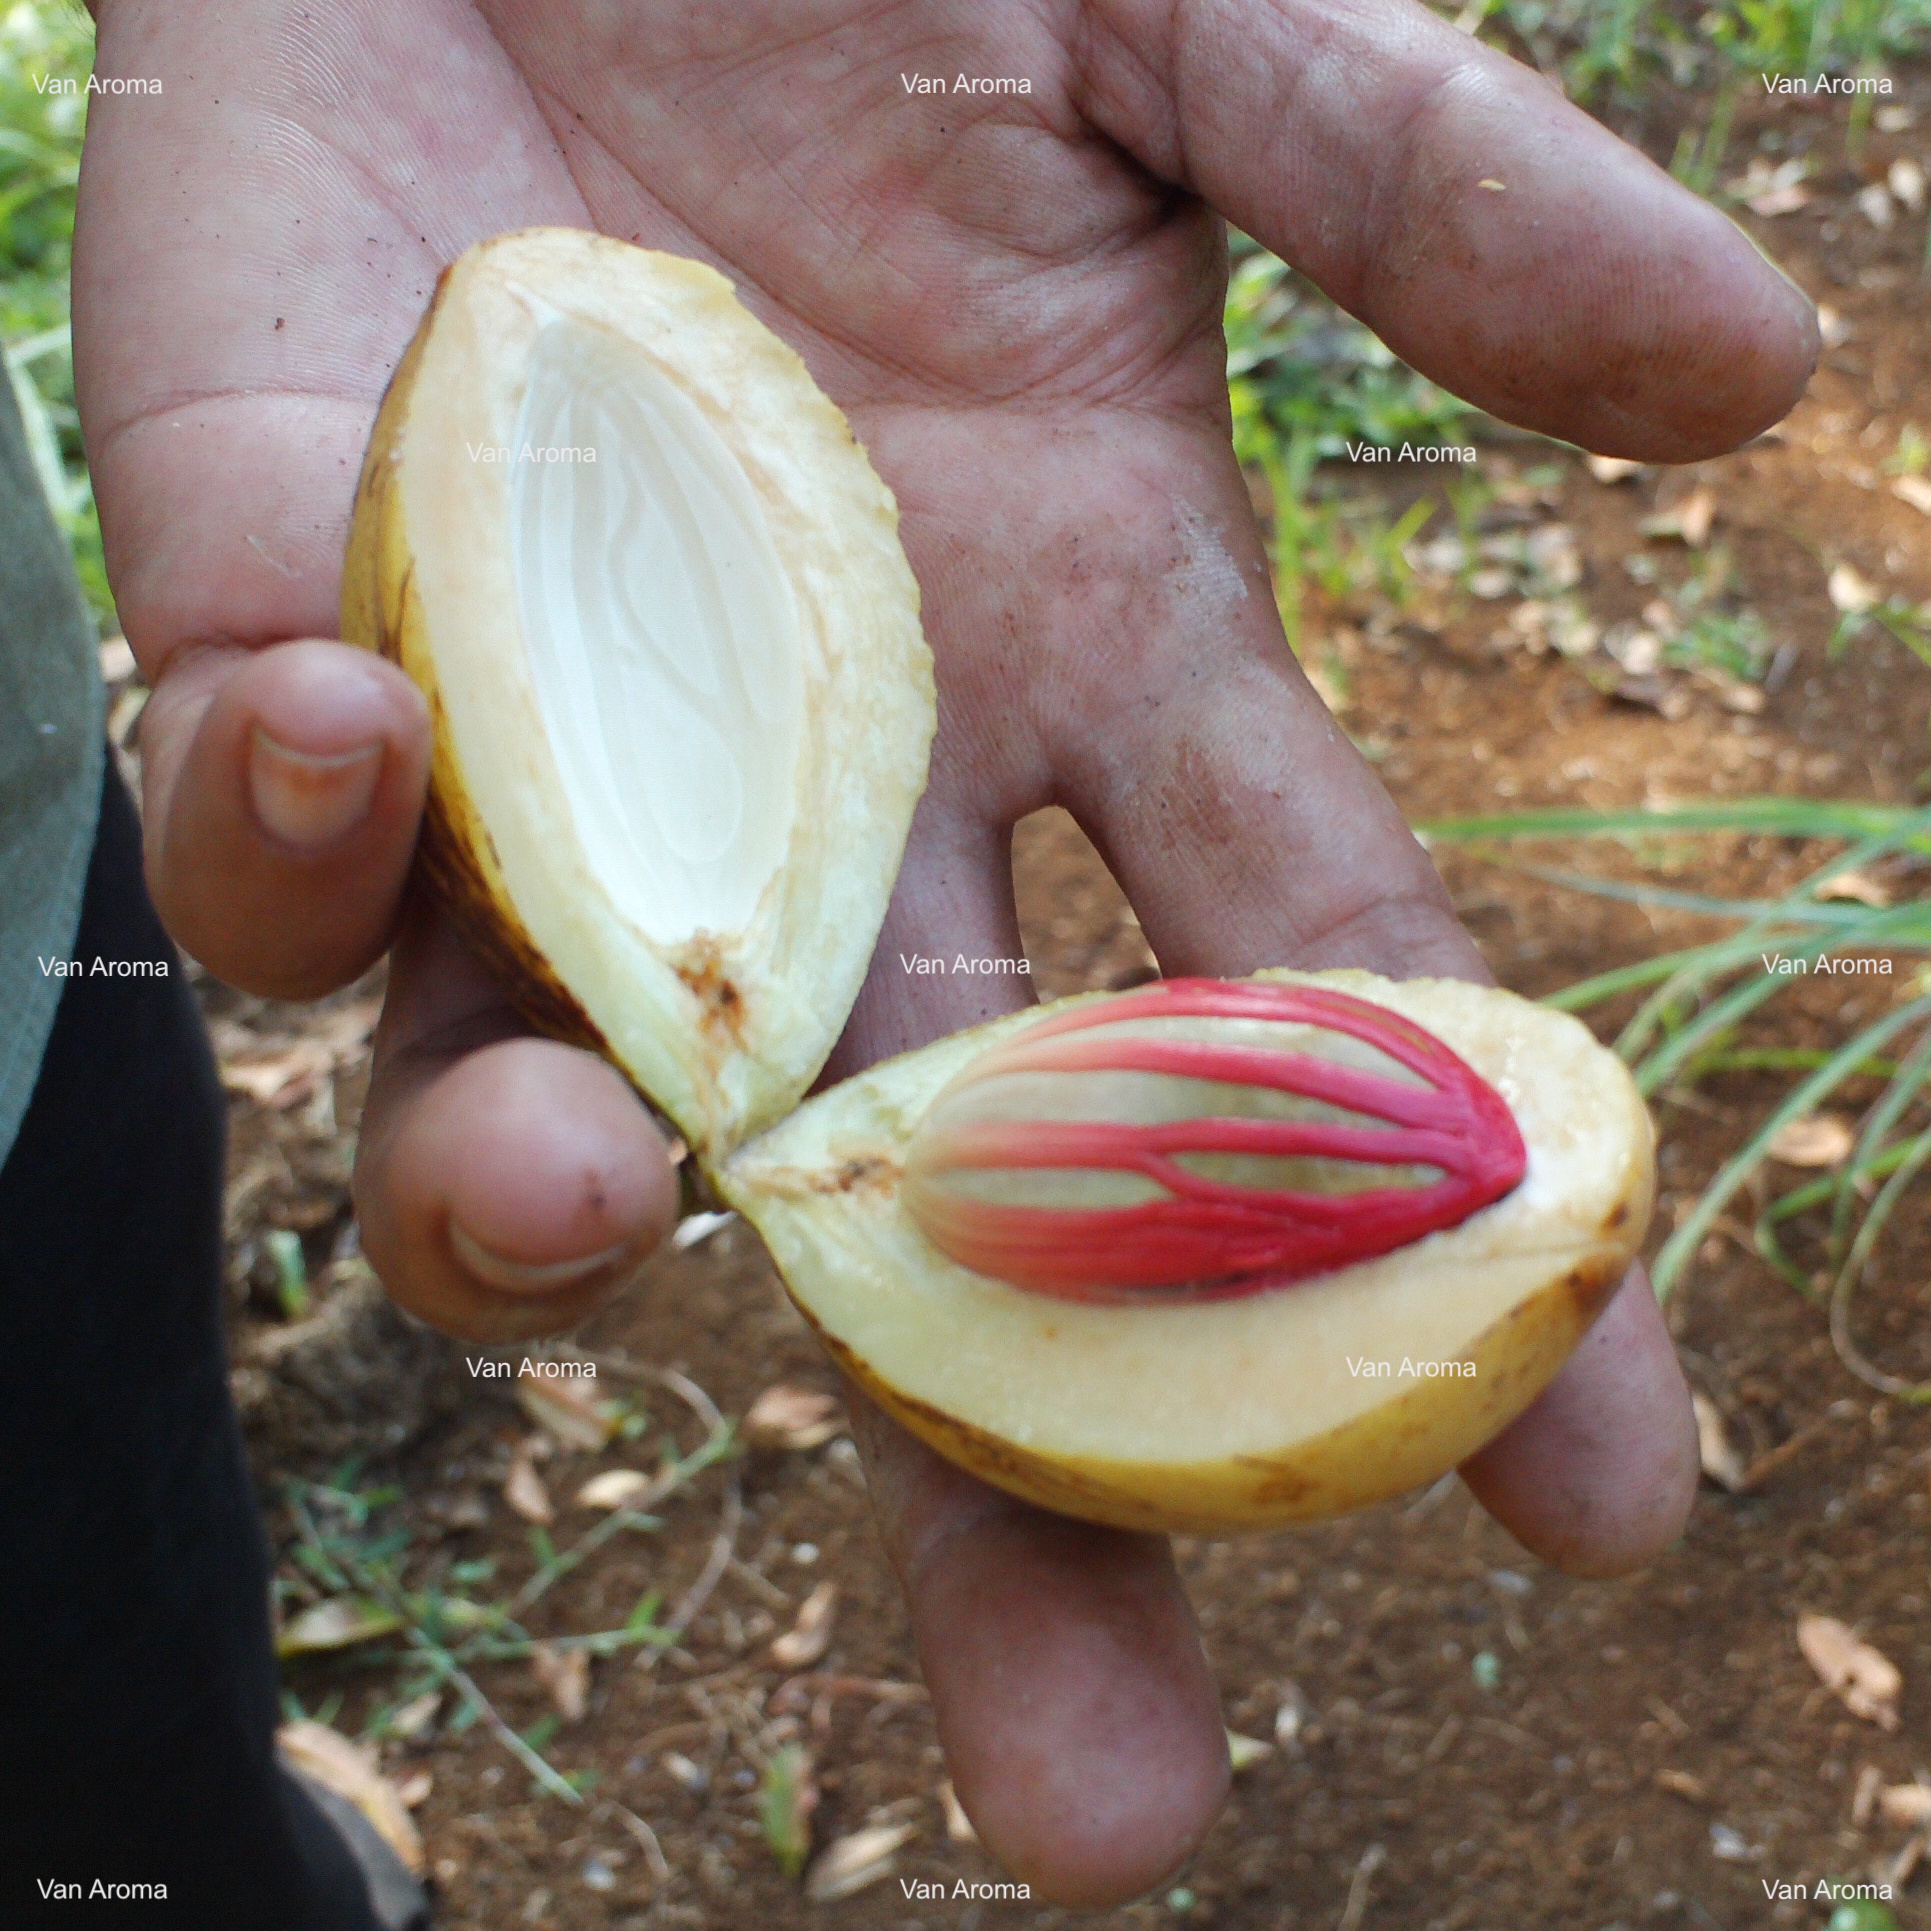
(1016, 299)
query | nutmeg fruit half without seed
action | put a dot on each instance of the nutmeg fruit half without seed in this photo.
(1205, 1255)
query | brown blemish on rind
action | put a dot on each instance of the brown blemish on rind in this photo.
(868, 1171)
(700, 965)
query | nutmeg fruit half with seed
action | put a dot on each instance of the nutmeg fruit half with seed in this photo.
(1205, 1255)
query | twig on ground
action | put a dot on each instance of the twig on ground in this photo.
(723, 1548)
(645, 1836)
(1372, 1860)
(795, 1692)
(717, 1444)
(1771, 1460)
(761, 1585)
(545, 1774)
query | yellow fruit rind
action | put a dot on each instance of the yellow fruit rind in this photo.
(1408, 1440)
(454, 854)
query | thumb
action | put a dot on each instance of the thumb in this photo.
(282, 789)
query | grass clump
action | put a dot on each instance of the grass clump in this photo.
(1695, 1002)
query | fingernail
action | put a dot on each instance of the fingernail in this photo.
(526, 1277)
(309, 801)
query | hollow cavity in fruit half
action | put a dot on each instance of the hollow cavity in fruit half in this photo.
(1208, 1254)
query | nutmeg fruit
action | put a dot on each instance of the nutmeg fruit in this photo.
(1207, 1255)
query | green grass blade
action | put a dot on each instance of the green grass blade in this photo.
(1706, 904)
(1654, 1013)
(1606, 985)
(1916, 1153)
(1905, 1085)
(1771, 817)
(1682, 1244)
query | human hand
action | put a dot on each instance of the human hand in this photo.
(1016, 300)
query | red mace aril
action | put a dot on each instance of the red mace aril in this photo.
(1203, 1139)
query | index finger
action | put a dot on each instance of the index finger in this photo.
(1494, 236)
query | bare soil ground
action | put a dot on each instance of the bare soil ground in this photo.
(1475, 1743)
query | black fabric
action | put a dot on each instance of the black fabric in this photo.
(138, 1691)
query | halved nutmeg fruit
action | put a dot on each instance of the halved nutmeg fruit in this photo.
(1206, 1254)
(654, 592)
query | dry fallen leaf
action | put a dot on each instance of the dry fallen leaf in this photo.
(570, 1407)
(1679, 1783)
(1553, 554)
(414, 1789)
(1865, 1678)
(1290, 1717)
(851, 1863)
(1864, 1799)
(1768, 191)
(278, 1079)
(1690, 519)
(1849, 592)
(281, 1073)
(1668, 699)
(1859, 886)
(810, 1636)
(1638, 651)
(332, 1761)
(523, 1490)
(1915, 490)
(1832, 328)
(793, 1418)
(1905, 1803)
(958, 1826)
(1813, 1140)
(412, 1720)
(335, 1624)
(1876, 205)
(565, 1673)
(694, 1228)
(1721, 1462)
(615, 1488)
(1696, 513)
(1732, 1846)
(1612, 469)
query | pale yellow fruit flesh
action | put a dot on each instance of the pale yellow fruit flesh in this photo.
(654, 593)
(1300, 1402)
